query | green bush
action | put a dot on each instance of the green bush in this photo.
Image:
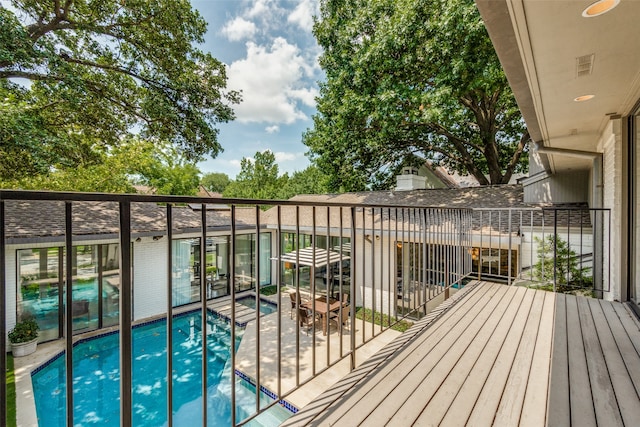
(24, 331)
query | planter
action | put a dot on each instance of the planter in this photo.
(24, 348)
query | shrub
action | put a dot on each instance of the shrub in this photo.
(24, 331)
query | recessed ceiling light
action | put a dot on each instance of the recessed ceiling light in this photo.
(583, 98)
(599, 7)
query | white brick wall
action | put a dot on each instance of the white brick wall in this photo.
(611, 143)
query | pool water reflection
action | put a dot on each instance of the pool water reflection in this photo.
(96, 378)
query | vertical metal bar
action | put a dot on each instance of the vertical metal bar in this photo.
(340, 273)
(68, 237)
(329, 283)
(312, 277)
(297, 280)
(125, 315)
(403, 267)
(382, 264)
(390, 253)
(3, 311)
(203, 309)
(509, 250)
(169, 315)
(232, 278)
(352, 291)
(480, 249)
(279, 293)
(364, 272)
(257, 310)
(531, 241)
(555, 249)
(582, 245)
(394, 264)
(372, 257)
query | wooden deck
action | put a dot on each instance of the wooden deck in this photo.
(501, 356)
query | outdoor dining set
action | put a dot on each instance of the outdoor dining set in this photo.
(321, 308)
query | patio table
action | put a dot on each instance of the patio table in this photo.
(323, 309)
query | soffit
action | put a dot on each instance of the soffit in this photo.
(540, 58)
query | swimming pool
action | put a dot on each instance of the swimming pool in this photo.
(266, 307)
(97, 379)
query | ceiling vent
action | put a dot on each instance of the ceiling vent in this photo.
(584, 65)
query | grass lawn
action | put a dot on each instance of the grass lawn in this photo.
(382, 319)
(11, 393)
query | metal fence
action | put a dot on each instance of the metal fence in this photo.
(356, 271)
(559, 249)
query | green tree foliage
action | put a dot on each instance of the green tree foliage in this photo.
(167, 172)
(558, 255)
(409, 80)
(259, 179)
(155, 165)
(78, 75)
(308, 181)
(215, 181)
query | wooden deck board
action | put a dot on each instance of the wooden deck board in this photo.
(629, 354)
(535, 403)
(485, 408)
(450, 370)
(558, 404)
(623, 389)
(510, 407)
(582, 411)
(471, 372)
(500, 356)
(456, 323)
(604, 400)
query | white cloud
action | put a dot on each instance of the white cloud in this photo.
(306, 95)
(239, 29)
(262, 8)
(272, 83)
(281, 156)
(272, 129)
(303, 14)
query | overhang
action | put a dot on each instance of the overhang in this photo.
(552, 55)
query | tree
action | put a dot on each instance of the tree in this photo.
(556, 253)
(258, 179)
(97, 70)
(308, 181)
(156, 165)
(215, 181)
(409, 80)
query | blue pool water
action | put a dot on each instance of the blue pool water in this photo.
(266, 307)
(97, 379)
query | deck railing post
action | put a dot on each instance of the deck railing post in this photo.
(352, 291)
(169, 316)
(125, 315)
(3, 317)
(68, 310)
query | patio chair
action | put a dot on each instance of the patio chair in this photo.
(341, 316)
(305, 319)
(80, 308)
(296, 301)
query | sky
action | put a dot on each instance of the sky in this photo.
(272, 57)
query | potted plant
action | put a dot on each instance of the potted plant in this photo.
(24, 337)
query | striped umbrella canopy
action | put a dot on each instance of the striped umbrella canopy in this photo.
(306, 257)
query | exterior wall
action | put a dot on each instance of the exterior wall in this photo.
(566, 187)
(11, 288)
(611, 146)
(375, 269)
(149, 278)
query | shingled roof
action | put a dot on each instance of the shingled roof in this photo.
(46, 219)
